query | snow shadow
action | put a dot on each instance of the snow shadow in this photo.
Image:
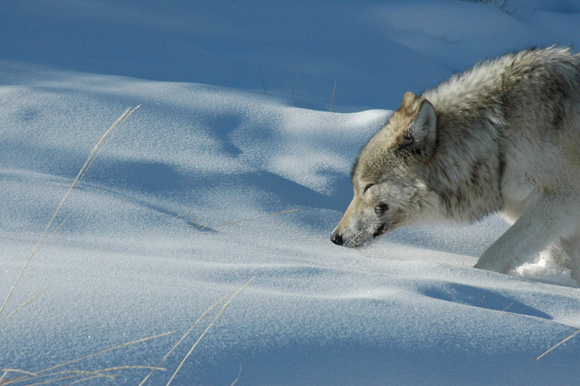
(294, 193)
(479, 297)
(142, 176)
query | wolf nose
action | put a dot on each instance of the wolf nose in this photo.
(337, 239)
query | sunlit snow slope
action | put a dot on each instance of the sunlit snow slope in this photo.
(211, 182)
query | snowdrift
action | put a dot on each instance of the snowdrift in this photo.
(207, 186)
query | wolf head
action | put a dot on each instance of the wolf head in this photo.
(388, 177)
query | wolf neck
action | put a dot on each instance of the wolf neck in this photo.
(467, 167)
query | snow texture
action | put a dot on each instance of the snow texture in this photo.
(197, 193)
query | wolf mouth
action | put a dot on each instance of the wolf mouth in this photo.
(380, 230)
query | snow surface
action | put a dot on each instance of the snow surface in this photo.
(196, 193)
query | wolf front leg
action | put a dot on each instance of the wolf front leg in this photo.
(566, 253)
(545, 219)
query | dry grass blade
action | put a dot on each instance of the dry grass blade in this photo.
(187, 334)
(3, 380)
(88, 378)
(215, 319)
(76, 374)
(262, 77)
(83, 374)
(24, 305)
(181, 215)
(198, 218)
(332, 99)
(562, 342)
(101, 144)
(154, 368)
(56, 230)
(238, 378)
(81, 173)
(106, 350)
(195, 220)
(229, 224)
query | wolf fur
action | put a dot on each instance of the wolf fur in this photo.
(501, 137)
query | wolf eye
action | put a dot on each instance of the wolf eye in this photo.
(367, 187)
(381, 208)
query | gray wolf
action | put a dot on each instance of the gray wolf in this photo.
(501, 137)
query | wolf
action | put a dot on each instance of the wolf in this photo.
(502, 137)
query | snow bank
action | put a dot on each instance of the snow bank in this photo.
(205, 187)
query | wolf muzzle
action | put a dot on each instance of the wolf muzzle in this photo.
(337, 239)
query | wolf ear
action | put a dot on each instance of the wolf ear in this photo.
(421, 136)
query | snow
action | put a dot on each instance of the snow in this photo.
(212, 182)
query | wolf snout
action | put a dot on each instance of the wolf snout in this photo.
(337, 238)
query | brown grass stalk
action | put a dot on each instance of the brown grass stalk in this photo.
(80, 175)
(13, 371)
(49, 372)
(262, 77)
(509, 305)
(238, 378)
(182, 215)
(186, 334)
(83, 374)
(215, 319)
(562, 342)
(333, 91)
(24, 305)
(107, 350)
